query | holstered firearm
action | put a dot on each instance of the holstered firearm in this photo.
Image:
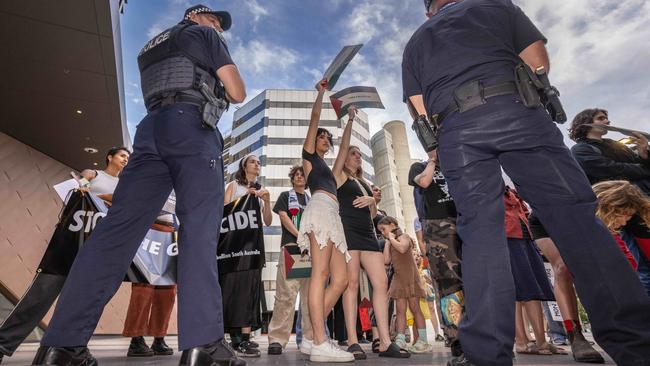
(426, 131)
(213, 108)
(535, 90)
(550, 97)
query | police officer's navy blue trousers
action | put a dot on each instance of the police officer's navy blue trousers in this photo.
(474, 146)
(171, 150)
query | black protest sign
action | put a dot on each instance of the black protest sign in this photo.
(76, 222)
(241, 239)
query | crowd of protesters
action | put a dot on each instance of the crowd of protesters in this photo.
(356, 251)
(621, 177)
(412, 279)
(349, 239)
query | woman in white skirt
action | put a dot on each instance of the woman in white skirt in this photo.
(321, 232)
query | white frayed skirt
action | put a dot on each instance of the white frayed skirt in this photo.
(322, 218)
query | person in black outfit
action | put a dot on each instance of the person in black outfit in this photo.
(358, 208)
(605, 159)
(459, 67)
(176, 147)
(437, 213)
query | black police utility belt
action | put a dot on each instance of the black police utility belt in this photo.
(534, 89)
(168, 75)
(467, 96)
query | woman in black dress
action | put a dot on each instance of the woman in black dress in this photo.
(357, 209)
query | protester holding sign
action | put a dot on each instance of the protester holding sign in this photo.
(103, 182)
(242, 289)
(358, 207)
(321, 231)
(49, 281)
(289, 206)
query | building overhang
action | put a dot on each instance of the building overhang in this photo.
(62, 88)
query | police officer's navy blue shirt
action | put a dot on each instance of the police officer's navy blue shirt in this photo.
(465, 41)
(203, 43)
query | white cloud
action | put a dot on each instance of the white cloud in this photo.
(598, 51)
(154, 30)
(366, 20)
(259, 57)
(256, 9)
(384, 27)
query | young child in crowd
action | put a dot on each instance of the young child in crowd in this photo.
(407, 287)
(618, 201)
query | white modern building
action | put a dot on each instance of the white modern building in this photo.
(392, 161)
(273, 126)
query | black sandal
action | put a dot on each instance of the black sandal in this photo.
(375, 345)
(394, 351)
(357, 351)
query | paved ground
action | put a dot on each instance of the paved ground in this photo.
(110, 351)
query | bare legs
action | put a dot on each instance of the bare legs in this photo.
(535, 316)
(564, 292)
(418, 318)
(373, 264)
(326, 261)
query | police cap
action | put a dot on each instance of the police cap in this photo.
(226, 20)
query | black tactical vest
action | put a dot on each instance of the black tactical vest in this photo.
(166, 70)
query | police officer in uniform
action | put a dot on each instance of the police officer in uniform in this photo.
(187, 79)
(459, 68)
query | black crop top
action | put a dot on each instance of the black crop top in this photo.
(321, 176)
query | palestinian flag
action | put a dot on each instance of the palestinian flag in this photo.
(361, 96)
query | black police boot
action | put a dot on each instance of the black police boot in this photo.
(217, 353)
(139, 348)
(161, 348)
(460, 361)
(275, 348)
(64, 356)
(456, 348)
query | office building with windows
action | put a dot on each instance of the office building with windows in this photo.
(273, 126)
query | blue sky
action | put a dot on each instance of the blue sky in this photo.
(598, 48)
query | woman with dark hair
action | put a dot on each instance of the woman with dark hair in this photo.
(357, 209)
(150, 306)
(22, 321)
(103, 182)
(241, 309)
(321, 232)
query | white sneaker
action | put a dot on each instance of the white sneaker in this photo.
(420, 347)
(325, 352)
(305, 346)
